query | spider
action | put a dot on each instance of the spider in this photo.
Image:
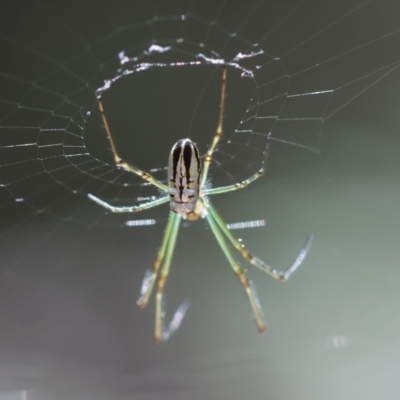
(188, 194)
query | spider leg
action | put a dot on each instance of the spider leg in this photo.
(141, 207)
(176, 321)
(250, 291)
(170, 246)
(150, 277)
(121, 163)
(240, 247)
(218, 133)
(236, 186)
(243, 184)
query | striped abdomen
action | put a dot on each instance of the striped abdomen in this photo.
(184, 176)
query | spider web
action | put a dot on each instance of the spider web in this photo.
(158, 70)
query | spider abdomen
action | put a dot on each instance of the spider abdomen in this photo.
(184, 172)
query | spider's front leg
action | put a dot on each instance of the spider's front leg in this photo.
(118, 160)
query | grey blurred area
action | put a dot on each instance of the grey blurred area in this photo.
(13, 395)
(69, 324)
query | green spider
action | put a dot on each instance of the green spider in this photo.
(188, 196)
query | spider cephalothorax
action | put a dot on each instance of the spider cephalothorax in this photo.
(184, 171)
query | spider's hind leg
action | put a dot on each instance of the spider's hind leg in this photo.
(240, 247)
(164, 257)
(150, 277)
(244, 280)
(169, 251)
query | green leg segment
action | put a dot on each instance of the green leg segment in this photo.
(255, 305)
(280, 275)
(150, 277)
(175, 220)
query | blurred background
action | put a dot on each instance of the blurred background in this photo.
(324, 84)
